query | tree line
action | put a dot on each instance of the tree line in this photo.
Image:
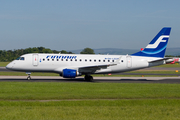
(9, 55)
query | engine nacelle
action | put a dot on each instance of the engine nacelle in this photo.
(69, 73)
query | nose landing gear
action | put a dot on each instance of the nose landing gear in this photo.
(29, 75)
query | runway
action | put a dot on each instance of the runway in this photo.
(3, 69)
(170, 80)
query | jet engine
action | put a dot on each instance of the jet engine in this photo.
(70, 73)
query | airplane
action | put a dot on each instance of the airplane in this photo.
(173, 60)
(73, 65)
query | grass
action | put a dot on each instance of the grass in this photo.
(3, 64)
(88, 101)
(169, 65)
(61, 91)
(47, 91)
(92, 110)
(155, 72)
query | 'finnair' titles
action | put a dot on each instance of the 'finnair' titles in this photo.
(71, 66)
(61, 57)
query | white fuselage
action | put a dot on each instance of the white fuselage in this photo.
(81, 62)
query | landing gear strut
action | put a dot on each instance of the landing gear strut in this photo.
(29, 76)
(88, 78)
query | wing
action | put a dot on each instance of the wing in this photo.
(88, 69)
(93, 69)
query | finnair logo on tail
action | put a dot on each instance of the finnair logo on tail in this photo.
(160, 39)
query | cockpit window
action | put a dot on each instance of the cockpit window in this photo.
(20, 58)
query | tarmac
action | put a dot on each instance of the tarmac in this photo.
(170, 80)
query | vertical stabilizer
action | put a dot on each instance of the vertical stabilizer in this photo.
(157, 47)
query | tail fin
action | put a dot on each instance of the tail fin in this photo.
(157, 47)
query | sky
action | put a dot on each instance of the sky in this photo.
(77, 24)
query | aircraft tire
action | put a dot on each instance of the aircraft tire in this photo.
(29, 78)
(88, 78)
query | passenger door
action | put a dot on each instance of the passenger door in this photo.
(35, 59)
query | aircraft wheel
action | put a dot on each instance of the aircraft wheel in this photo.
(88, 78)
(28, 78)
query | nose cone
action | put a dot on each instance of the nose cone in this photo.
(9, 66)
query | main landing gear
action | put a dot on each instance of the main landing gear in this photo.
(88, 78)
(29, 75)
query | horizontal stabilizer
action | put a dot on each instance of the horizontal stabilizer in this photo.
(159, 60)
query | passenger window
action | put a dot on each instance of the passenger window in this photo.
(71, 60)
(80, 60)
(66, 59)
(75, 59)
(85, 60)
(99, 60)
(57, 59)
(52, 59)
(94, 60)
(48, 59)
(103, 60)
(108, 60)
(112, 60)
(90, 60)
(61, 59)
(43, 59)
